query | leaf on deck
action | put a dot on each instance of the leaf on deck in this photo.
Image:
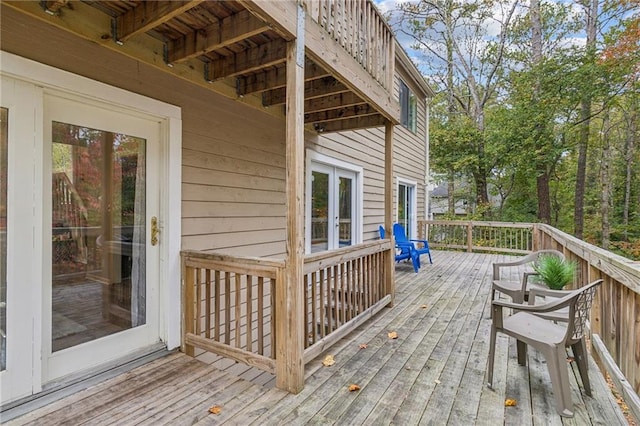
(328, 361)
(510, 403)
(570, 359)
(353, 388)
(216, 409)
(363, 346)
(424, 306)
(392, 335)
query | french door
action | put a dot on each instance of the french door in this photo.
(333, 207)
(79, 253)
(102, 269)
(407, 207)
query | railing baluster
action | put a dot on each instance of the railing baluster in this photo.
(216, 318)
(249, 313)
(238, 315)
(305, 290)
(314, 307)
(227, 307)
(323, 289)
(198, 329)
(207, 304)
(260, 315)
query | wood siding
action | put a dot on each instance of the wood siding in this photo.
(365, 148)
(233, 182)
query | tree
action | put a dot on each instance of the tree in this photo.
(465, 60)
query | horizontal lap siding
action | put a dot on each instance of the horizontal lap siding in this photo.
(233, 180)
(233, 155)
(365, 148)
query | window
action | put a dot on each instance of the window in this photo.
(333, 205)
(407, 206)
(408, 107)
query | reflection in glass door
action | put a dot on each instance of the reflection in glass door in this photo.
(333, 202)
(98, 251)
(319, 211)
(406, 207)
(345, 211)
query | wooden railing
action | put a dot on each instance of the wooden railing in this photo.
(342, 288)
(358, 27)
(228, 306)
(505, 237)
(615, 316)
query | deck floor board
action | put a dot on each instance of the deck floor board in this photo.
(434, 373)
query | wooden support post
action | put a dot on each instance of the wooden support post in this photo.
(290, 303)
(389, 278)
(188, 310)
(470, 237)
(536, 237)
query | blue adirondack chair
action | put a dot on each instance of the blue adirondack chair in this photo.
(406, 251)
(401, 238)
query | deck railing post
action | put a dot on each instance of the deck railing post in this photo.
(188, 296)
(289, 328)
(389, 268)
(469, 237)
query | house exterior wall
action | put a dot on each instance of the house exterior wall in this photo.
(365, 148)
(233, 155)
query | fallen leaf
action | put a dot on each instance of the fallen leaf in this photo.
(437, 382)
(424, 306)
(353, 388)
(216, 409)
(392, 335)
(363, 346)
(328, 361)
(570, 359)
(510, 403)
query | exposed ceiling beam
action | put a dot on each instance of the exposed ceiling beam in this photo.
(229, 30)
(252, 59)
(332, 102)
(312, 89)
(340, 113)
(275, 78)
(351, 124)
(148, 15)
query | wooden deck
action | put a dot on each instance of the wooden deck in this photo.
(433, 373)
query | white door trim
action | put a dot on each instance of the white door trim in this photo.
(413, 213)
(315, 159)
(170, 180)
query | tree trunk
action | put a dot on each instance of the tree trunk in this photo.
(450, 196)
(629, 154)
(544, 195)
(605, 178)
(542, 179)
(591, 9)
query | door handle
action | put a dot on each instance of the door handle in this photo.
(154, 231)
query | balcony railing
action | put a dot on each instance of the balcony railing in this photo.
(229, 307)
(615, 316)
(358, 27)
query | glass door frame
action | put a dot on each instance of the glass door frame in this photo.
(30, 261)
(336, 169)
(410, 201)
(22, 328)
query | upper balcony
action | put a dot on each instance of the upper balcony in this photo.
(238, 48)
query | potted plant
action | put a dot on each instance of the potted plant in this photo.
(554, 271)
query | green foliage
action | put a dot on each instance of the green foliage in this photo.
(554, 271)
